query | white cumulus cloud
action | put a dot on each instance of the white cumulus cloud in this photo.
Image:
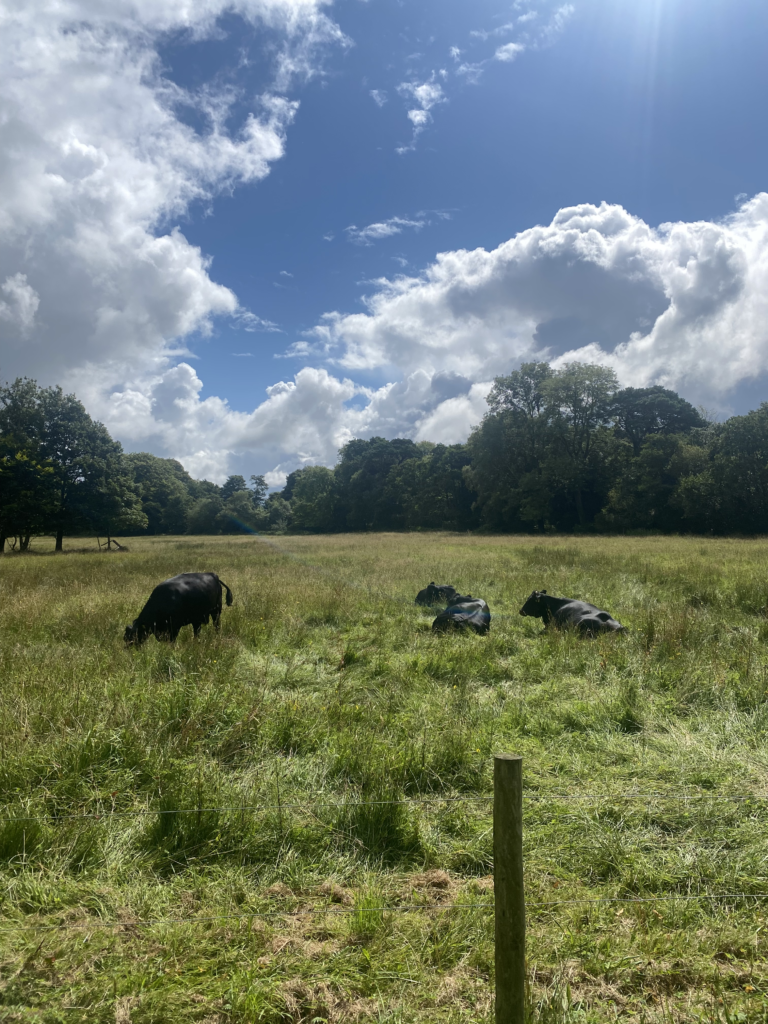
(684, 304)
(20, 303)
(97, 163)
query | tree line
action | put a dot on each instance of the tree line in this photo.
(559, 450)
(62, 474)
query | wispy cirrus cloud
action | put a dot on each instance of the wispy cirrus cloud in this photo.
(465, 69)
(556, 24)
(426, 96)
(509, 51)
(471, 72)
(383, 229)
(248, 321)
(531, 31)
(500, 30)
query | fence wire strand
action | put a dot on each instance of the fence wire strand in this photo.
(304, 805)
(536, 798)
(314, 911)
(6, 925)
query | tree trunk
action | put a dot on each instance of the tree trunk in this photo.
(2, 543)
(60, 539)
(25, 539)
(580, 507)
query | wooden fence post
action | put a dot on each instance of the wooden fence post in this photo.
(509, 896)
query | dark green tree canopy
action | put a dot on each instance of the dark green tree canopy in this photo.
(638, 412)
(522, 391)
(260, 489)
(232, 485)
(165, 488)
(311, 492)
(87, 486)
(362, 472)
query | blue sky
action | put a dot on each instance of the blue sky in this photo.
(253, 196)
(653, 105)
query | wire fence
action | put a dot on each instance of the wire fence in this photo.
(685, 797)
(96, 923)
(348, 804)
(239, 808)
(365, 915)
(304, 912)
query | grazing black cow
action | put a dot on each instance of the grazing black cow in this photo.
(190, 599)
(464, 613)
(436, 593)
(564, 612)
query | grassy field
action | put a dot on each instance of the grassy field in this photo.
(285, 739)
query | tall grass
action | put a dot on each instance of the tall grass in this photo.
(250, 772)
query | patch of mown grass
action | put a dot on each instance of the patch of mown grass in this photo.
(325, 696)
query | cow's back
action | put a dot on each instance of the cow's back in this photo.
(436, 593)
(587, 618)
(187, 596)
(469, 613)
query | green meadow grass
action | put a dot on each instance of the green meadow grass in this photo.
(284, 739)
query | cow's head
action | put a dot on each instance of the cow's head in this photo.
(135, 634)
(534, 606)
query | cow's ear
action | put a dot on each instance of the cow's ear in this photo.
(543, 591)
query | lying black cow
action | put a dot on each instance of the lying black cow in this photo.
(464, 613)
(565, 612)
(190, 599)
(436, 593)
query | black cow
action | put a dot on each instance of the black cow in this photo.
(565, 612)
(464, 613)
(436, 593)
(190, 599)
